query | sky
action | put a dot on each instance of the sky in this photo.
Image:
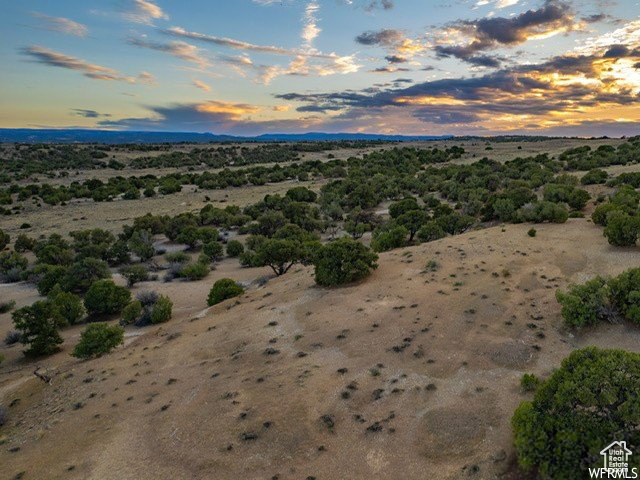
(248, 67)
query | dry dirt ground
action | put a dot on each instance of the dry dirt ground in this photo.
(410, 374)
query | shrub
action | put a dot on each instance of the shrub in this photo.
(67, 308)
(213, 250)
(601, 212)
(177, 257)
(24, 243)
(222, 290)
(625, 294)
(4, 239)
(12, 337)
(52, 275)
(431, 231)
(12, 264)
(584, 305)
(343, 261)
(403, 206)
(131, 313)
(82, 274)
(301, 194)
(4, 415)
(141, 243)
(384, 240)
(134, 274)
(38, 329)
(98, 339)
(594, 176)
(529, 382)
(622, 229)
(235, 248)
(162, 309)
(589, 402)
(105, 297)
(7, 306)
(578, 199)
(532, 232)
(195, 271)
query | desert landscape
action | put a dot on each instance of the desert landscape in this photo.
(320, 240)
(412, 371)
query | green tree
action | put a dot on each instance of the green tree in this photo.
(98, 339)
(105, 297)
(141, 243)
(622, 229)
(584, 305)
(343, 261)
(586, 404)
(235, 248)
(38, 329)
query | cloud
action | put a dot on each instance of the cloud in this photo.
(553, 17)
(310, 30)
(370, 5)
(52, 58)
(145, 12)
(61, 24)
(189, 117)
(179, 49)
(89, 113)
(201, 85)
(227, 42)
(395, 59)
(385, 37)
(146, 78)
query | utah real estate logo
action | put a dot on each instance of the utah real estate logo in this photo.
(616, 462)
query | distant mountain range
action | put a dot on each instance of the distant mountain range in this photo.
(25, 135)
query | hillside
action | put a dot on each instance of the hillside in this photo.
(410, 374)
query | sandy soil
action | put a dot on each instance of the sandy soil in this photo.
(409, 374)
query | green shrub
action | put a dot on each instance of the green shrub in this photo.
(50, 276)
(177, 257)
(4, 239)
(82, 274)
(430, 231)
(584, 305)
(235, 248)
(599, 215)
(343, 261)
(594, 176)
(529, 382)
(622, 229)
(38, 329)
(67, 308)
(24, 243)
(7, 306)
(625, 294)
(105, 297)
(134, 274)
(279, 254)
(162, 310)
(532, 232)
(131, 313)
(213, 250)
(98, 339)
(141, 243)
(585, 405)
(384, 240)
(195, 271)
(222, 290)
